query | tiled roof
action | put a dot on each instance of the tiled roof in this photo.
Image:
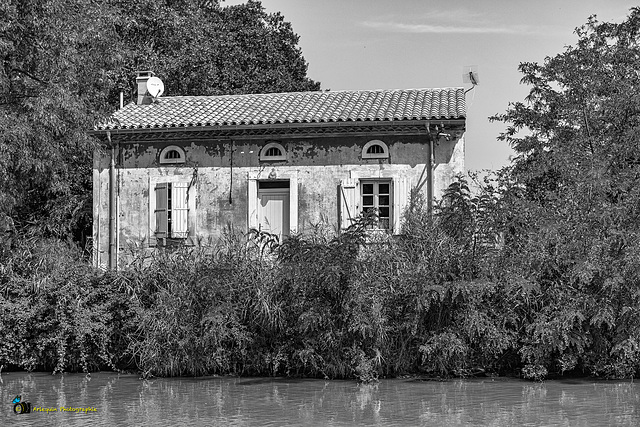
(293, 107)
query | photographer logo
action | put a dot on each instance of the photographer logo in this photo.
(20, 407)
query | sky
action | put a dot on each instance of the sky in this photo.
(406, 44)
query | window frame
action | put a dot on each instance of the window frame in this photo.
(263, 157)
(165, 151)
(376, 200)
(174, 213)
(349, 196)
(374, 142)
(161, 236)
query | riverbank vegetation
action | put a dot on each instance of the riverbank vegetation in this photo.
(454, 295)
(533, 273)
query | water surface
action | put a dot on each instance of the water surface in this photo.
(106, 399)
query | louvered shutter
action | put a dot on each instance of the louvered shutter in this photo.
(349, 202)
(179, 210)
(252, 204)
(401, 192)
(161, 191)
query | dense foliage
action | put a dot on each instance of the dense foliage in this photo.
(446, 298)
(353, 305)
(57, 313)
(572, 202)
(66, 62)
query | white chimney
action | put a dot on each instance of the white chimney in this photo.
(143, 95)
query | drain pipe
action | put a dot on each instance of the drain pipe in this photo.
(430, 168)
(231, 174)
(112, 206)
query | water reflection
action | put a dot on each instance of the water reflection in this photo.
(125, 399)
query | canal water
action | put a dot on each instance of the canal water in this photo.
(107, 399)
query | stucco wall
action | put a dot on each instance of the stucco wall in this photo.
(318, 163)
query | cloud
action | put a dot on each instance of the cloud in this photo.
(458, 15)
(401, 27)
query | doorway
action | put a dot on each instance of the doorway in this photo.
(273, 207)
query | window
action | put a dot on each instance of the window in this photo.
(273, 151)
(172, 209)
(172, 155)
(375, 149)
(387, 197)
(376, 199)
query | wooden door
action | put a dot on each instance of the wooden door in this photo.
(273, 211)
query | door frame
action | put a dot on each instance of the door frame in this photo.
(285, 192)
(252, 197)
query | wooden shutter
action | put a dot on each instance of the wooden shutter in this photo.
(252, 204)
(160, 212)
(401, 194)
(349, 202)
(179, 210)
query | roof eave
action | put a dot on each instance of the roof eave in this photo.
(277, 126)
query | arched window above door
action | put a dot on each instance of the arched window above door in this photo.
(273, 151)
(172, 155)
(375, 149)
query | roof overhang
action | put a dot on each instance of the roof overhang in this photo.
(283, 130)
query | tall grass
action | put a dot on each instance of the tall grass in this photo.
(447, 297)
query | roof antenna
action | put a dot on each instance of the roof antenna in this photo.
(470, 75)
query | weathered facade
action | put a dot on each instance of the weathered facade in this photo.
(181, 169)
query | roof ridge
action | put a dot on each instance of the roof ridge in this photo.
(430, 89)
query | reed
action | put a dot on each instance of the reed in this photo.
(450, 296)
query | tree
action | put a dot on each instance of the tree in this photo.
(201, 48)
(53, 86)
(574, 191)
(65, 63)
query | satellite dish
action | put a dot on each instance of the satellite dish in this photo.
(470, 74)
(155, 87)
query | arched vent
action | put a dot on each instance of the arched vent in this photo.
(172, 155)
(375, 149)
(273, 151)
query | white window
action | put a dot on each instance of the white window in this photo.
(375, 149)
(375, 197)
(171, 212)
(273, 151)
(172, 155)
(386, 197)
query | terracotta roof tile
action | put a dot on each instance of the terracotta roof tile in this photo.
(294, 107)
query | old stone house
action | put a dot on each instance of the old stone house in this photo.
(178, 170)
